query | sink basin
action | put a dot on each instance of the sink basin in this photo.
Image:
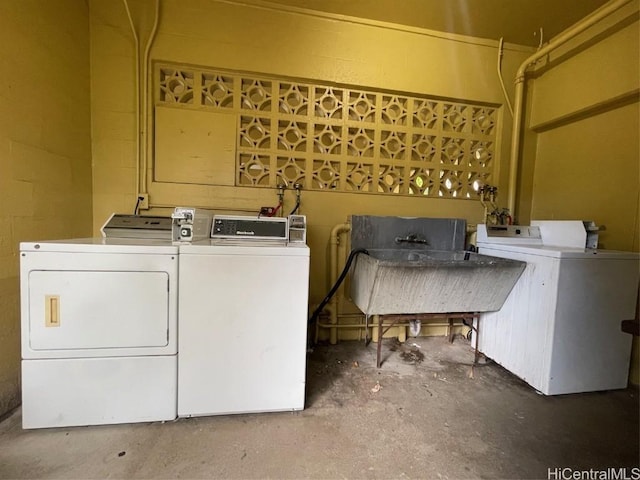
(401, 281)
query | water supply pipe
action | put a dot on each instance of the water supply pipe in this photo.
(372, 326)
(561, 39)
(297, 187)
(336, 231)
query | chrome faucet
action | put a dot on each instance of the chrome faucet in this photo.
(411, 238)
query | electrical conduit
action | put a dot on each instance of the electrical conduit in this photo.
(504, 90)
(137, 89)
(145, 99)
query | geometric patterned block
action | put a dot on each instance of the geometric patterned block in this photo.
(342, 138)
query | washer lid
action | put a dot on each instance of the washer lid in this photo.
(102, 245)
(213, 247)
(557, 252)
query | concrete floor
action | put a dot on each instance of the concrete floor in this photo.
(438, 418)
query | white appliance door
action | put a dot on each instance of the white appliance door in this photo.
(97, 310)
(243, 328)
(107, 304)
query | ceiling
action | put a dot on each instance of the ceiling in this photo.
(517, 21)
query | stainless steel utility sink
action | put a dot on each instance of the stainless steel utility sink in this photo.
(402, 281)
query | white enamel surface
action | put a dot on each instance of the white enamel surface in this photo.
(97, 391)
(559, 329)
(243, 329)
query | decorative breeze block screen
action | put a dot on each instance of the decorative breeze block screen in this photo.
(342, 138)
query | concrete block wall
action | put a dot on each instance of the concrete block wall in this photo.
(45, 148)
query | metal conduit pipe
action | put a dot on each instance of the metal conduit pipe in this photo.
(372, 326)
(333, 272)
(564, 37)
(399, 324)
(171, 206)
(499, 68)
(136, 44)
(145, 100)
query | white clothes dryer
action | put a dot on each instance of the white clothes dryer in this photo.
(99, 331)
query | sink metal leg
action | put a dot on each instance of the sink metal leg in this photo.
(394, 319)
(477, 353)
(379, 352)
(366, 330)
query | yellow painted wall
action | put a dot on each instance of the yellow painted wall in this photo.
(279, 42)
(45, 147)
(588, 170)
(585, 110)
(48, 132)
(586, 113)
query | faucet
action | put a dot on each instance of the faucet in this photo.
(411, 238)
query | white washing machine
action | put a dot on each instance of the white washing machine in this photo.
(559, 329)
(243, 306)
(99, 331)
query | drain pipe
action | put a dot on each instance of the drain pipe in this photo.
(564, 37)
(333, 271)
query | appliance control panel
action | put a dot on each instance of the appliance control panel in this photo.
(137, 226)
(249, 228)
(509, 234)
(521, 231)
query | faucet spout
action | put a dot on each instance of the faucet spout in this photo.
(411, 238)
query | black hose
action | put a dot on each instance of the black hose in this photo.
(295, 209)
(335, 287)
(135, 209)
